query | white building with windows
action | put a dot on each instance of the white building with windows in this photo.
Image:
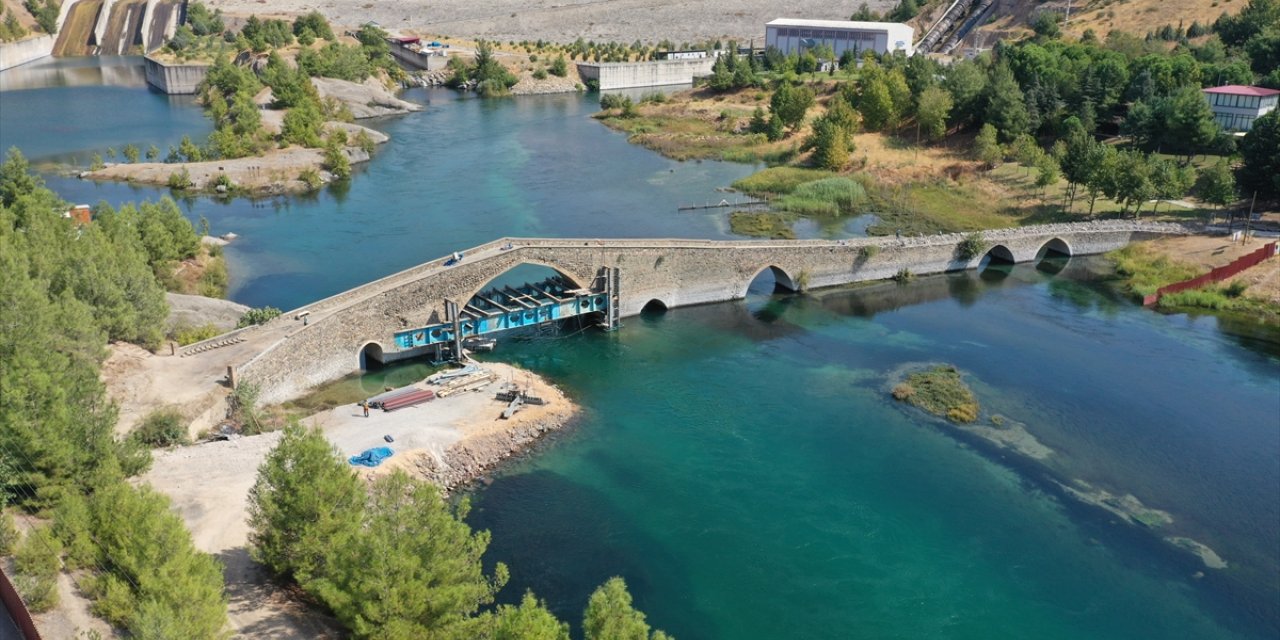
(1235, 107)
(796, 36)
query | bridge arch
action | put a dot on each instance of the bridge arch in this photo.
(578, 281)
(781, 279)
(1054, 246)
(999, 254)
(371, 352)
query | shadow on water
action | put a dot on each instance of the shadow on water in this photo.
(571, 539)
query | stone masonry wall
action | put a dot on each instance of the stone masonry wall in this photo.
(674, 272)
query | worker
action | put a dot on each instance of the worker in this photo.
(365, 405)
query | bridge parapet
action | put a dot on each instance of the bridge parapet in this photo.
(674, 272)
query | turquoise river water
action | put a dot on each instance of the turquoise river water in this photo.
(742, 465)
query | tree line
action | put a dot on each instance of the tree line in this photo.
(395, 560)
(65, 290)
(1045, 90)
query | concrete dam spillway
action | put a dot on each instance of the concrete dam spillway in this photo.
(115, 27)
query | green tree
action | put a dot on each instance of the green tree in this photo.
(932, 110)
(1217, 185)
(790, 104)
(1260, 151)
(986, 147)
(610, 615)
(529, 621)
(876, 105)
(16, 178)
(1006, 105)
(45, 13)
(314, 23)
(202, 21)
(414, 568)
(305, 499)
(335, 158)
(38, 561)
(966, 80)
(830, 143)
(131, 153)
(157, 576)
(1170, 181)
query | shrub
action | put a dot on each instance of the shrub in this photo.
(244, 407)
(335, 158)
(162, 428)
(213, 282)
(180, 180)
(185, 335)
(867, 252)
(904, 275)
(1235, 289)
(559, 67)
(970, 247)
(71, 524)
(311, 177)
(540, 74)
(38, 560)
(260, 315)
(8, 533)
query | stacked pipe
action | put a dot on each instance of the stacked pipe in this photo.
(415, 397)
(378, 400)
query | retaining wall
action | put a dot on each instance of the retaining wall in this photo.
(175, 78)
(13, 54)
(655, 73)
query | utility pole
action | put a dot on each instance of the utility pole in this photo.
(1248, 222)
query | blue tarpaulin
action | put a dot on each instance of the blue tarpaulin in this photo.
(371, 457)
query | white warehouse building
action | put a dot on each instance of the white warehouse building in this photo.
(794, 36)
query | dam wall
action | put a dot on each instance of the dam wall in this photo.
(175, 78)
(13, 54)
(654, 73)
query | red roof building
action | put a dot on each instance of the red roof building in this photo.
(1235, 107)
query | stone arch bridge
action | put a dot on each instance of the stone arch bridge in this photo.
(290, 355)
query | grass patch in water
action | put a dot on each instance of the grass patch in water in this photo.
(827, 197)
(761, 224)
(778, 180)
(1145, 270)
(941, 391)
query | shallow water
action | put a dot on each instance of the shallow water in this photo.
(741, 464)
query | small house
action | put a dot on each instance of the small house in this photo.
(1235, 107)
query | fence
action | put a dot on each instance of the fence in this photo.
(1216, 275)
(17, 610)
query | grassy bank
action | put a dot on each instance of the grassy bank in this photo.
(1142, 270)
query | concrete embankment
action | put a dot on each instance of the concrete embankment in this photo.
(175, 78)
(13, 54)
(656, 73)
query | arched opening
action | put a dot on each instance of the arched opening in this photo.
(654, 307)
(770, 280)
(999, 253)
(996, 264)
(529, 297)
(371, 357)
(1053, 256)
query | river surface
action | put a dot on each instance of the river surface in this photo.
(742, 464)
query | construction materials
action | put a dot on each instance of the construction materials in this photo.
(413, 398)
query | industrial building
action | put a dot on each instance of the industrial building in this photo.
(796, 36)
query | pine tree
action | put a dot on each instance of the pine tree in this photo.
(304, 500)
(610, 616)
